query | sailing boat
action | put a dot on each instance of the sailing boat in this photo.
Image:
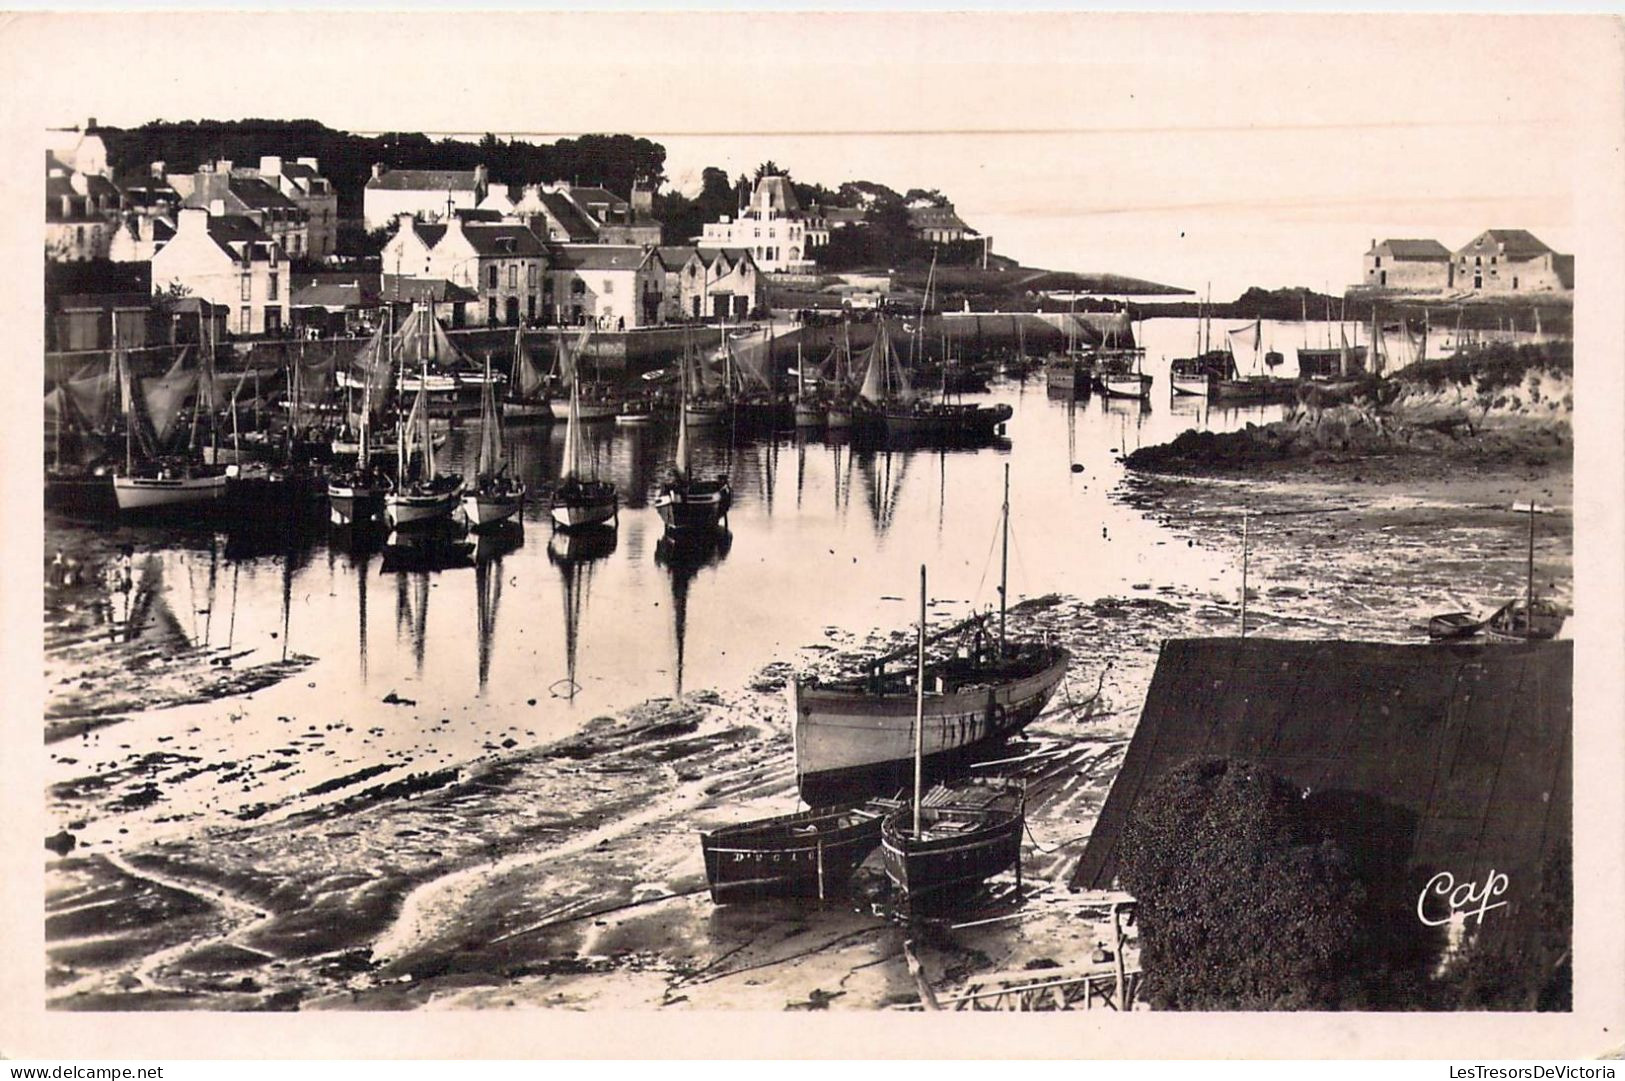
(496, 496)
(839, 414)
(599, 402)
(357, 495)
(951, 837)
(1531, 619)
(527, 386)
(1256, 386)
(886, 386)
(687, 505)
(853, 735)
(1199, 375)
(580, 501)
(810, 411)
(424, 495)
(154, 483)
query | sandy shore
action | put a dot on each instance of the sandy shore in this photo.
(569, 874)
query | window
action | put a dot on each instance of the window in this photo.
(513, 277)
(491, 304)
(530, 276)
(273, 320)
(248, 287)
(547, 286)
(1514, 282)
(1492, 260)
(491, 282)
(577, 287)
(245, 319)
(609, 286)
(531, 306)
(1379, 260)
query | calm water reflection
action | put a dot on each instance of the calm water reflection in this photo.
(553, 630)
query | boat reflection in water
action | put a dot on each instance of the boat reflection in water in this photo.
(684, 556)
(490, 546)
(574, 553)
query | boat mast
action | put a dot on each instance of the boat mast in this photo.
(1529, 595)
(127, 395)
(1004, 557)
(919, 708)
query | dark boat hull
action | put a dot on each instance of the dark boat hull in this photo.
(811, 854)
(938, 866)
(693, 509)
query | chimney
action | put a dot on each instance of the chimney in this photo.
(90, 125)
(1373, 243)
(404, 222)
(192, 219)
(156, 169)
(643, 199)
(270, 165)
(377, 169)
(479, 177)
(309, 163)
(223, 166)
(217, 208)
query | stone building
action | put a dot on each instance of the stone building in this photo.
(938, 224)
(1410, 264)
(301, 182)
(1510, 261)
(223, 189)
(81, 214)
(501, 262)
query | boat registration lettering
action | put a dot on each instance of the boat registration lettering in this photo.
(1442, 890)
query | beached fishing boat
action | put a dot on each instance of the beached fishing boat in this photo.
(807, 854)
(854, 736)
(580, 500)
(1530, 618)
(1454, 625)
(955, 836)
(496, 495)
(152, 482)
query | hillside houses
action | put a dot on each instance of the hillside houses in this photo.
(1494, 263)
(228, 260)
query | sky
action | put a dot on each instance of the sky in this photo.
(1216, 151)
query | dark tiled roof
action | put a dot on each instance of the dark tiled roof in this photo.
(297, 171)
(429, 234)
(480, 215)
(1412, 249)
(337, 289)
(502, 239)
(935, 217)
(574, 222)
(423, 180)
(780, 188)
(853, 215)
(403, 289)
(1564, 265)
(258, 195)
(596, 256)
(1516, 243)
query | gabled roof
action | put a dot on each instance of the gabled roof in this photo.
(575, 223)
(424, 180)
(597, 256)
(673, 256)
(502, 238)
(476, 214)
(334, 291)
(1411, 249)
(732, 256)
(1516, 243)
(776, 193)
(299, 171)
(853, 215)
(588, 198)
(935, 217)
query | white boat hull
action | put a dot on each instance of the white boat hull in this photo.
(584, 411)
(487, 511)
(409, 509)
(154, 493)
(580, 515)
(1192, 386)
(1131, 387)
(847, 741)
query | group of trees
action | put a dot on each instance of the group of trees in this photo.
(615, 162)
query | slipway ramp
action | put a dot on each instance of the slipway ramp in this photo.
(1438, 758)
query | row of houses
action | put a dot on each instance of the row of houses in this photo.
(1496, 261)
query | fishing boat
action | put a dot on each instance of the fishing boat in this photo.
(357, 495)
(1199, 376)
(1531, 618)
(807, 854)
(635, 413)
(579, 500)
(594, 401)
(1069, 374)
(1258, 385)
(527, 398)
(810, 408)
(1125, 384)
(1454, 625)
(852, 735)
(687, 505)
(154, 482)
(422, 494)
(496, 496)
(955, 836)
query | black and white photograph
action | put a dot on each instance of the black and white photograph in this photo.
(858, 513)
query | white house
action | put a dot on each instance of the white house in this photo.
(773, 227)
(427, 193)
(226, 260)
(502, 262)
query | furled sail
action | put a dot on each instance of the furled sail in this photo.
(164, 396)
